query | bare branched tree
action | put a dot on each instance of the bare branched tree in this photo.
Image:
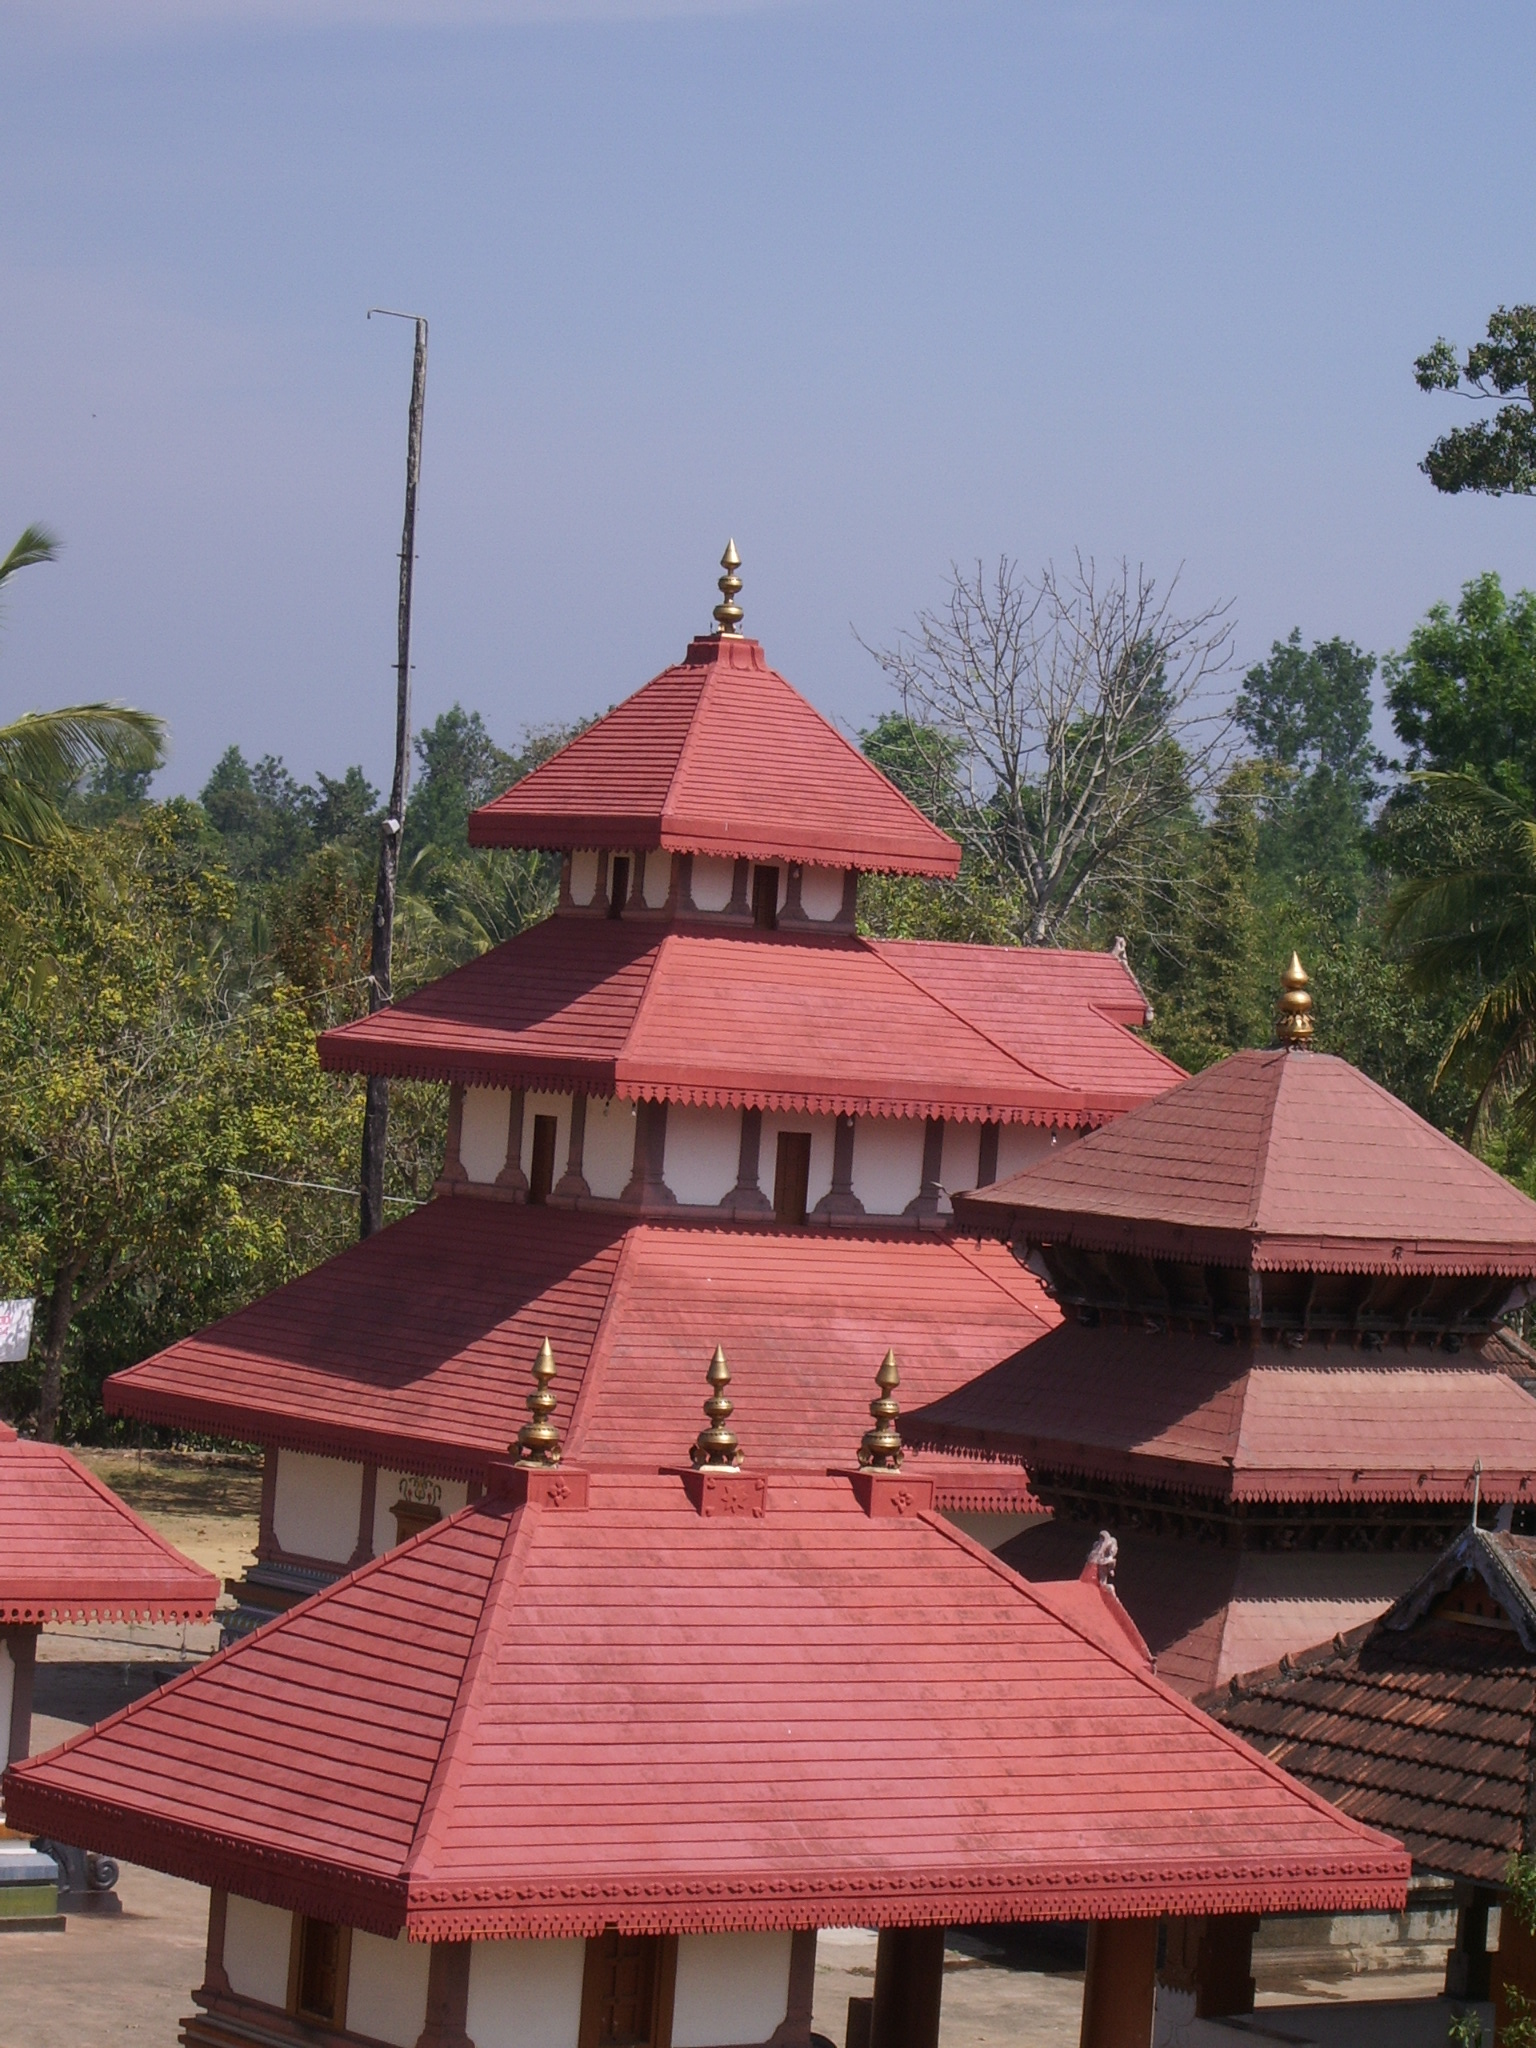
(1070, 717)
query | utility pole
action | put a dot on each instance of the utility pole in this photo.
(380, 962)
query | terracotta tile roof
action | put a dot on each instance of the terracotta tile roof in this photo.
(414, 1347)
(70, 1550)
(1419, 1724)
(1277, 1161)
(1246, 1421)
(537, 1721)
(775, 1021)
(719, 755)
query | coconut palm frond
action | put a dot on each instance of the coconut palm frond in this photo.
(35, 544)
(45, 752)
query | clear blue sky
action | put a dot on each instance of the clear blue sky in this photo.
(871, 286)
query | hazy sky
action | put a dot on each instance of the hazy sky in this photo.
(873, 287)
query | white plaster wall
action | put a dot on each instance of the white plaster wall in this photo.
(887, 1162)
(821, 893)
(483, 1136)
(1021, 1145)
(525, 1994)
(993, 1531)
(703, 1152)
(584, 868)
(731, 1988)
(387, 1987)
(608, 1151)
(256, 1943)
(658, 877)
(712, 880)
(557, 1106)
(961, 1156)
(448, 1495)
(317, 1505)
(821, 1129)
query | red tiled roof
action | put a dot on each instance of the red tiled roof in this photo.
(766, 1020)
(719, 755)
(414, 1347)
(538, 1721)
(1245, 1422)
(70, 1550)
(1278, 1161)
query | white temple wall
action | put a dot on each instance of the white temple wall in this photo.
(541, 1103)
(608, 1151)
(821, 893)
(584, 872)
(525, 1994)
(731, 1988)
(703, 1153)
(256, 1945)
(446, 1495)
(387, 1988)
(483, 1133)
(887, 1162)
(1021, 1145)
(712, 881)
(821, 1129)
(1290, 1600)
(658, 878)
(316, 1505)
(961, 1156)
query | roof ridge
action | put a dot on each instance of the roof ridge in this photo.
(478, 1668)
(706, 677)
(1261, 1149)
(596, 1350)
(877, 948)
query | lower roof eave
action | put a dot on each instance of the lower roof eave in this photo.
(33, 1607)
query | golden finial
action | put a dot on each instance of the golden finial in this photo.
(881, 1446)
(715, 1449)
(728, 611)
(538, 1442)
(1293, 1026)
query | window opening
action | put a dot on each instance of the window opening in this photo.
(319, 1980)
(765, 898)
(412, 1516)
(792, 1176)
(541, 1177)
(618, 884)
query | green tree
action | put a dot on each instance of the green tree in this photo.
(1497, 454)
(1307, 712)
(1463, 691)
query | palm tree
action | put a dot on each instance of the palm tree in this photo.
(43, 753)
(1470, 923)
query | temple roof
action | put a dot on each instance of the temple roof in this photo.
(70, 1550)
(1277, 1161)
(1422, 1722)
(604, 1706)
(1245, 1421)
(767, 1020)
(413, 1347)
(719, 755)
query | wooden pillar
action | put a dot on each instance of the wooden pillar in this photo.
(647, 1187)
(924, 1208)
(453, 1174)
(1468, 1966)
(747, 1197)
(447, 1997)
(740, 904)
(1514, 1967)
(21, 1644)
(512, 1181)
(986, 1155)
(909, 1988)
(362, 1550)
(1120, 1988)
(572, 1186)
(794, 2030)
(840, 1200)
(215, 1981)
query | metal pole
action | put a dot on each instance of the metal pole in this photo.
(380, 964)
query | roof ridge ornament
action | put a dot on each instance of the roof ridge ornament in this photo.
(1293, 1025)
(880, 1448)
(715, 1449)
(728, 613)
(538, 1441)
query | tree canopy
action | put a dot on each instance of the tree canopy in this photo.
(1495, 454)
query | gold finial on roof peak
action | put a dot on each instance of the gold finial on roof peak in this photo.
(538, 1441)
(880, 1447)
(715, 1449)
(728, 613)
(1293, 1025)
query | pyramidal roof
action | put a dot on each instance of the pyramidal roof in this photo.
(1276, 1160)
(719, 756)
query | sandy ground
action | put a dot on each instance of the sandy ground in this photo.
(208, 1507)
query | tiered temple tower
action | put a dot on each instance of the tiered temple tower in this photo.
(693, 1107)
(1276, 1283)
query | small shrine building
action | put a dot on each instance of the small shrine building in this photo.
(593, 1760)
(693, 1106)
(1275, 1281)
